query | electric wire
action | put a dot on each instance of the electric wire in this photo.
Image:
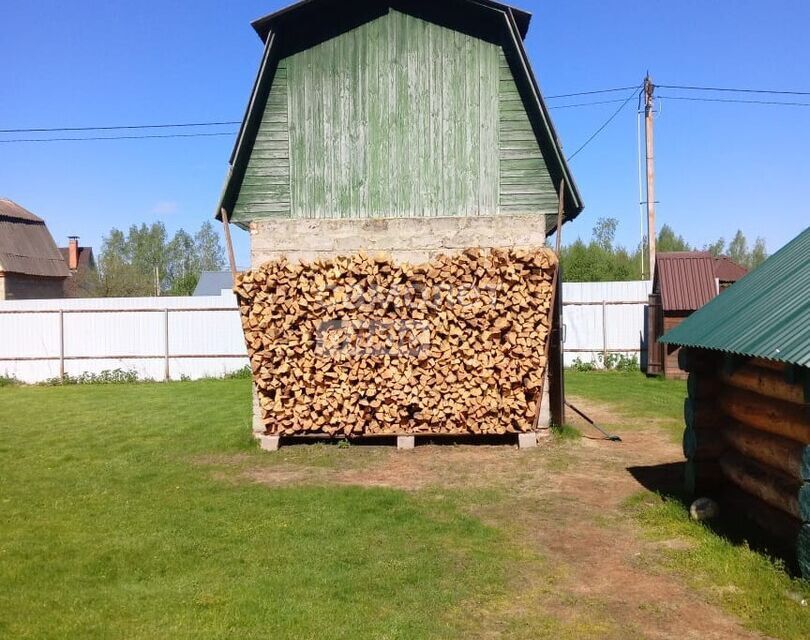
(736, 101)
(733, 90)
(606, 123)
(144, 137)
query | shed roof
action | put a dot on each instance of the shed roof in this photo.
(764, 315)
(687, 280)
(26, 245)
(212, 283)
(308, 22)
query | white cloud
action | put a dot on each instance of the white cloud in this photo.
(165, 207)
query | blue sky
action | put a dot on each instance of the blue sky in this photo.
(720, 166)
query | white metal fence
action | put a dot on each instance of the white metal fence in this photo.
(159, 338)
(604, 317)
(168, 338)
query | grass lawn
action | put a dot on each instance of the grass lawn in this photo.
(126, 512)
(109, 529)
(642, 401)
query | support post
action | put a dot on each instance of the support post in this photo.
(228, 243)
(649, 89)
(61, 344)
(604, 333)
(166, 371)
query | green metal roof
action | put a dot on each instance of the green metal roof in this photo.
(764, 315)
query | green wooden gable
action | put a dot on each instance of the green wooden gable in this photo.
(395, 112)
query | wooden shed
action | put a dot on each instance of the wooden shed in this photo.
(411, 127)
(683, 282)
(747, 436)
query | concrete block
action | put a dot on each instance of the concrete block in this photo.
(269, 443)
(406, 442)
(527, 440)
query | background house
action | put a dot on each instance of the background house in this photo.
(30, 264)
(684, 281)
(82, 282)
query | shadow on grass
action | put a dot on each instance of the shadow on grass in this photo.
(667, 480)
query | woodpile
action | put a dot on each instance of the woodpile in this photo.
(747, 441)
(361, 345)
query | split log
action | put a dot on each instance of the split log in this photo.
(703, 444)
(768, 484)
(766, 382)
(361, 345)
(789, 456)
(774, 416)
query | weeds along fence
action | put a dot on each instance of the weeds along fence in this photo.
(170, 338)
(162, 338)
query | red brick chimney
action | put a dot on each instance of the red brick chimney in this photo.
(73, 253)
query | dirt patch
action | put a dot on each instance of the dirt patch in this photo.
(562, 503)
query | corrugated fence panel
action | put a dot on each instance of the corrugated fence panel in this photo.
(124, 333)
(619, 327)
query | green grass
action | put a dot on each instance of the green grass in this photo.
(640, 399)
(112, 527)
(745, 583)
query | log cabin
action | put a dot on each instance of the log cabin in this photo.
(747, 414)
(410, 127)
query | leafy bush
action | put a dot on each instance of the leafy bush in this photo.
(9, 381)
(609, 362)
(107, 376)
(242, 374)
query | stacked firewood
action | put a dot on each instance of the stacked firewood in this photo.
(360, 345)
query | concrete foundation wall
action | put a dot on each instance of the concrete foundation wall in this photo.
(413, 240)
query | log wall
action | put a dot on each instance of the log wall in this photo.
(747, 441)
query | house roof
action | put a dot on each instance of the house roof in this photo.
(26, 245)
(765, 315)
(80, 283)
(687, 280)
(306, 23)
(212, 283)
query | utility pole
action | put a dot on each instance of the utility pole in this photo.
(649, 88)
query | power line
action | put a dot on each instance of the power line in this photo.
(589, 93)
(95, 138)
(585, 104)
(607, 122)
(123, 127)
(733, 90)
(737, 101)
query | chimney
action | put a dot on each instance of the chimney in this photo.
(73, 253)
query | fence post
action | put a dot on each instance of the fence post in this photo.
(604, 333)
(61, 344)
(166, 373)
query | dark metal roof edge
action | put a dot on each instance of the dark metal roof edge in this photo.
(264, 25)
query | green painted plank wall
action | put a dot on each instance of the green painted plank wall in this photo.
(396, 118)
(265, 189)
(525, 183)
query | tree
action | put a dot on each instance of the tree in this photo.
(758, 254)
(716, 248)
(209, 250)
(143, 261)
(604, 232)
(668, 240)
(738, 248)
